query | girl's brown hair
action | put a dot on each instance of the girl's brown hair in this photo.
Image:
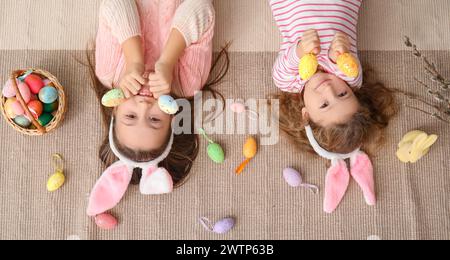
(185, 146)
(365, 129)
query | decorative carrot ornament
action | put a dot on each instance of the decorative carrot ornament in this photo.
(250, 150)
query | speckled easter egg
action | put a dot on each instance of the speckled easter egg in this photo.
(216, 153)
(49, 108)
(17, 108)
(35, 83)
(36, 108)
(168, 104)
(250, 148)
(22, 121)
(106, 221)
(292, 177)
(9, 108)
(45, 119)
(48, 95)
(113, 98)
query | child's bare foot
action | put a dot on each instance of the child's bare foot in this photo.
(340, 45)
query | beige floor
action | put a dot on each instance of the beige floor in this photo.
(413, 199)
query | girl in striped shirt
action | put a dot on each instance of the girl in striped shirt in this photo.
(344, 113)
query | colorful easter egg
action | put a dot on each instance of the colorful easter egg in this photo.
(292, 177)
(22, 121)
(250, 148)
(17, 108)
(238, 108)
(216, 153)
(45, 119)
(56, 181)
(24, 91)
(36, 108)
(9, 111)
(35, 83)
(348, 65)
(106, 221)
(113, 98)
(8, 90)
(308, 66)
(49, 108)
(47, 82)
(222, 226)
(48, 95)
(168, 104)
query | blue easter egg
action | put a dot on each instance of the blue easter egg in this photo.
(168, 104)
(48, 95)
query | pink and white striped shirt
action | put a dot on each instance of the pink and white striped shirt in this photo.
(328, 17)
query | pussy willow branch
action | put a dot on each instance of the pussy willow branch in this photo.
(439, 96)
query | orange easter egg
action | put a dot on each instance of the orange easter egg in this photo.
(348, 65)
(250, 148)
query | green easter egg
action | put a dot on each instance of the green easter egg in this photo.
(49, 108)
(45, 119)
(216, 153)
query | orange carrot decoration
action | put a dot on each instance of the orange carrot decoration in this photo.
(250, 150)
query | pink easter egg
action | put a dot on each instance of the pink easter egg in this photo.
(8, 90)
(238, 108)
(106, 221)
(35, 83)
(17, 108)
(24, 92)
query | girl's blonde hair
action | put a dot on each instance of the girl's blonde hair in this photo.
(365, 129)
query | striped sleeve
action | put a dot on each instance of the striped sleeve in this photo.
(285, 71)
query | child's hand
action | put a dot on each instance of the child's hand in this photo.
(310, 44)
(340, 45)
(133, 80)
(160, 81)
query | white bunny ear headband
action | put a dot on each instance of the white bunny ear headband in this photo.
(112, 185)
(338, 176)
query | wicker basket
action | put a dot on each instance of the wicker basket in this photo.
(40, 130)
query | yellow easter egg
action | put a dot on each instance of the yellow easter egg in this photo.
(56, 181)
(308, 66)
(250, 148)
(9, 111)
(348, 65)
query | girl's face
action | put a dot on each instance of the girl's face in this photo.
(329, 100)
(141, 125)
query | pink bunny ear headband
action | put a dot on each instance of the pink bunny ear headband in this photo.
(338, 176)
(112, 185)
